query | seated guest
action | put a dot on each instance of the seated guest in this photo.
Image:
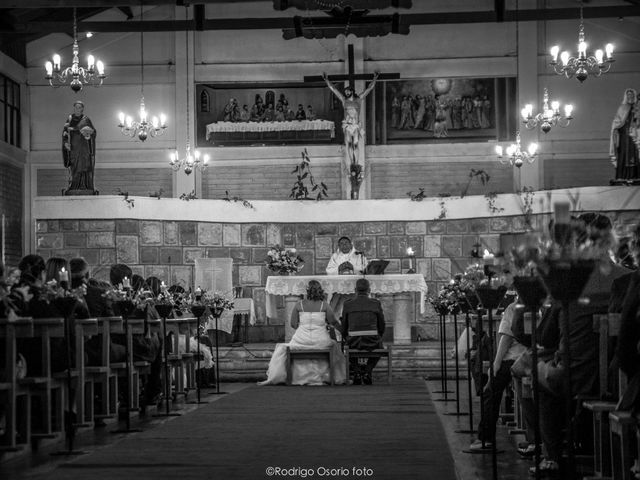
(628, 349)
(346, 261)
(508, 351)
(362, 328)
(310, 318)
(53, 267)
(583, 342)
(146, 348)
(99, 305)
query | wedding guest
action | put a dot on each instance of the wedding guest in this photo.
(53, 268)
(508, 351)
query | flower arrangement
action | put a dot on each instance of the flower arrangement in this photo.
(448, 299)
(217, 302)
(284, 260)
(53, 290)
(10, 297)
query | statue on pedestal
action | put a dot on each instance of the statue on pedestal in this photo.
(624, 145)
(79, 151)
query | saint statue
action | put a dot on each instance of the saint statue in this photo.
(79, 151)
(624, 144)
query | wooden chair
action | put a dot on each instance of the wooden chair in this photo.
(377, 353)
(15, 397)
(320, 353)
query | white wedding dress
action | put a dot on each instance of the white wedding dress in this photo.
(311, 334)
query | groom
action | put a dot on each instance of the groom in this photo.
(362, 329)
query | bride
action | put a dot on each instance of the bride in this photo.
(310, 318)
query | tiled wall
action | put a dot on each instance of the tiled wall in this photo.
(167, 249)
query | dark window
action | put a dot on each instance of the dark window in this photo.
(9, 111)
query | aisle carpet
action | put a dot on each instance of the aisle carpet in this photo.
(377, 432)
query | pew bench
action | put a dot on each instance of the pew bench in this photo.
(319, 353)
(377, 353)
(15, 397)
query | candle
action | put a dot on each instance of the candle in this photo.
(163, 287)
(488, 257)
(561, 212)
(63, 275)
(410, 251)
(126, 283)
(198, 293)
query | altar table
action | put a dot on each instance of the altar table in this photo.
(293, 125)
(399, 286)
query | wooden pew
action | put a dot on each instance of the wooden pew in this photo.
(49, 389)
(607, 326)
(319, 353)
(102, 374)
(15, 397)
(84, 328)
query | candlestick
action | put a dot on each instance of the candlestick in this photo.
(411, 255)
(488, 257)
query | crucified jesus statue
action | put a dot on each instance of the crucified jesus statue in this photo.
(351, 103)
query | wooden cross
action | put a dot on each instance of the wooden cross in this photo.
(351, 76)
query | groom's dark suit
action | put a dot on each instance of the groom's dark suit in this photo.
(362, 328)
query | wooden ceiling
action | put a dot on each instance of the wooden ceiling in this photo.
(22, 21)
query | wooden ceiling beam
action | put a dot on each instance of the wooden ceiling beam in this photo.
(489, 16)
(108, 3)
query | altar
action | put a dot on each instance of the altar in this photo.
(400, 287)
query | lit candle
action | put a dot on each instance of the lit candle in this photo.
(163, 286)
(410, 252)
(561, 212)
(126, 283)
(64, 275)
(488, 257)
(198, 293)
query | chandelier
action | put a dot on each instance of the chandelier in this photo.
(78, 76)
(582, 65)
(142, 128)
(190, 161)
(515, 155)
(548, 117)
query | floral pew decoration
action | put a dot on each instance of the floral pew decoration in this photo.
(284, 261)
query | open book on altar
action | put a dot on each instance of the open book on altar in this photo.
(376, 267)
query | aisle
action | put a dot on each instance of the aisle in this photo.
(376, 432)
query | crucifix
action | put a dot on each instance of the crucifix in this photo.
(352, 104)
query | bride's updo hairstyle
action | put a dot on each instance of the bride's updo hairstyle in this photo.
(315, 291)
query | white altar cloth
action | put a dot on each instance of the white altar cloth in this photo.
(242, 306)
(382, 284)
(293, 125)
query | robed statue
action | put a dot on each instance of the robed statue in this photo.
(79, 151)
(624, 144)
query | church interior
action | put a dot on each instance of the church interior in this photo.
(224, 150)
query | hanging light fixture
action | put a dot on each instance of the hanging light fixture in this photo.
(142, 128)
(548, 117)
(191, 160)
(76, 75)
(582, 65)
(515, 155)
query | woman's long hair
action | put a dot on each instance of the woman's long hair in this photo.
(53, 267)
(315, 291)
